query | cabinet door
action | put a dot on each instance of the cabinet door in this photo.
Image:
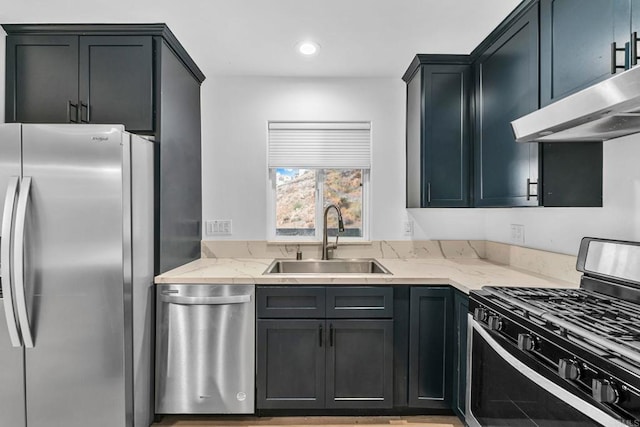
(42, 79)
(460, 310)
(116, 81)
(414, 142)
(575, 43)
(359, 364)
(446, 138)
(430, 344)
(506, 89)
(291, 364)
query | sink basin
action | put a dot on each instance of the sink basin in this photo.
(332, 266)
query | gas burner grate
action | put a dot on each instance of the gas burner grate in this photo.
(611, 324)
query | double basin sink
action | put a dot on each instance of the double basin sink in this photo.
(332, 266)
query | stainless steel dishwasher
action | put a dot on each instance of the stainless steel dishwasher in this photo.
(205, 346)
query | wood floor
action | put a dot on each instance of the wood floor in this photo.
(232, 421)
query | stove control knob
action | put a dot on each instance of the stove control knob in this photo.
(568, 369)
(495, 323)
(527, 342)
(480, 314)
(604, 391)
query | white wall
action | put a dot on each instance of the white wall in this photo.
(235, 114)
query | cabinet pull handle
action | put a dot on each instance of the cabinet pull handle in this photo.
(429, 192)
(88, 108)
(633, 50)
(529, 193)
(330, 335)
(614, 58)
(320, 335)
(71, 105)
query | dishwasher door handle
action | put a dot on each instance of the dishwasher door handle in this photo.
(233, 299)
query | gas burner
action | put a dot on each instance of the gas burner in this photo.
(582, 315)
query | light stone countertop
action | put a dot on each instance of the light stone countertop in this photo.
(464, 274)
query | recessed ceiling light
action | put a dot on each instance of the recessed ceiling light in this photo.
(308, 48)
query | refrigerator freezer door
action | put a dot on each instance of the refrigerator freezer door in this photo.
(74, 275)
(12, 404)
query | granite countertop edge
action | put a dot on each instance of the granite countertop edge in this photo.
(463, 274)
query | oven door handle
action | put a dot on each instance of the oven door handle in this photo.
(570, 399)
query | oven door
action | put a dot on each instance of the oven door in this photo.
(503, 391)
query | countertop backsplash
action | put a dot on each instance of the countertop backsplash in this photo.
(559, 266)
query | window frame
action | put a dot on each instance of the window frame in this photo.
(319, 210)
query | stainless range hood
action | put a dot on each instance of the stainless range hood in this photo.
(606, 110)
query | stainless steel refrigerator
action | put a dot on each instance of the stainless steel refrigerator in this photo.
(76, 212)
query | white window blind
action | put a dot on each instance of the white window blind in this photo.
(339, 145)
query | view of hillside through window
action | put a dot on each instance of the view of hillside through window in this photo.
(296, 209)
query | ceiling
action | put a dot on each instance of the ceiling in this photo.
(358, 38)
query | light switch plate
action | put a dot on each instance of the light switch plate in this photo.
(219, 227)
(517, 234)
(408, 228)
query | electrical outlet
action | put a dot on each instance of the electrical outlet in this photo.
(218, 227)
(408, 228)
(517, 234)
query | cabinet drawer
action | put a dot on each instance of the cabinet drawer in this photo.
(291, 302)
(359, 302)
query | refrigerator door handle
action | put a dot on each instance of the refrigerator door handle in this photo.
(5, 261)
(221, 300)
(18, 261)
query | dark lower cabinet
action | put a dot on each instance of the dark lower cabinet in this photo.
(290, 364)
(360, 364)
(413, 361)
(460, 311)
(430, 347)
(329, 362)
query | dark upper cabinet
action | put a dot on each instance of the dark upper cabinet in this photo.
(438, 131)
(460, 311)
(430, 345)
(81, 79)
(116, 81)
(575, 43)
(42, 77)
(571, 174)
(359, 364)
(506, 84)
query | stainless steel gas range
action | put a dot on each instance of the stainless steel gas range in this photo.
(560, 357)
